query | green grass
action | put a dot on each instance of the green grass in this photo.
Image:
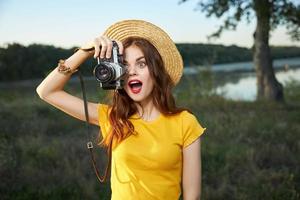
(249, 151)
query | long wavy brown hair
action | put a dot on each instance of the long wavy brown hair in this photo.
(123, 107)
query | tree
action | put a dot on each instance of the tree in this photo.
(268, 14)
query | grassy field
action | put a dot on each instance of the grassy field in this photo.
(249, 151)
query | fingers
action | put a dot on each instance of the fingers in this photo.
(121, 48)
(103, 47)
(97, 44)
(106, 50)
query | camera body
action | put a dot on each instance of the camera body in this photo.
(111, 72)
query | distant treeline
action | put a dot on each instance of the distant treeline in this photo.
(208, 54)
(18, 62)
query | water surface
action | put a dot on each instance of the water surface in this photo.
(245, 87)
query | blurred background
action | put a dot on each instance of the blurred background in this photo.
(241, 79)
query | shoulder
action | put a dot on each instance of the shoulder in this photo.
(190, 122)
(185, 119)
(103, 113)
(182, 117)
(187, 116)
(103, 118)
(103, 108)
(191, 128)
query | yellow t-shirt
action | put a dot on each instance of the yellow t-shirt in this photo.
(148, 165)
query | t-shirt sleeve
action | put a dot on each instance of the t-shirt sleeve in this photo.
(103, 118)
(191, 128)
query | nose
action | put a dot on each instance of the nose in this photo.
(131, 70)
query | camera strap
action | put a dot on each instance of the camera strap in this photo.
(90, 143)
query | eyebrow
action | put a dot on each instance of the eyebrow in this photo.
(139, 58)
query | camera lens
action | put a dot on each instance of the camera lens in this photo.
(104, 73)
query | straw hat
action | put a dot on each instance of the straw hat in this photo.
(156, 36)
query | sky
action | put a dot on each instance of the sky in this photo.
(69, 23)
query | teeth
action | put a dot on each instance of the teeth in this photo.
(134, 82)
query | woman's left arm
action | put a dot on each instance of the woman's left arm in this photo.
(191, 178)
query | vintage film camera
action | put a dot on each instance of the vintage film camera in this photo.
(111, 72)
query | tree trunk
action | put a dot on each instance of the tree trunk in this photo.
(268, 88)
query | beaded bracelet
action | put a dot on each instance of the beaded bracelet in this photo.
(62, 68)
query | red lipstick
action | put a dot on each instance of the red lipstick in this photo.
(135, 86)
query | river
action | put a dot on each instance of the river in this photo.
(237, 81)
(245, 87)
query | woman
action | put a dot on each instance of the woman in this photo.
(156, 146)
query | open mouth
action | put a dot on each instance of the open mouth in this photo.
(135, 86)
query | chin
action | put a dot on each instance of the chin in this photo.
(136, 98)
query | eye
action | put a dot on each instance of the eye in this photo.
(141, 64)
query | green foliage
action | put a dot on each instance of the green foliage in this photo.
(277, 12)
(19, 62)
(249, 150)
(279, 52)
(207, 54)
(292, 91)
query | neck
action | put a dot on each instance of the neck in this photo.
(147, 110)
